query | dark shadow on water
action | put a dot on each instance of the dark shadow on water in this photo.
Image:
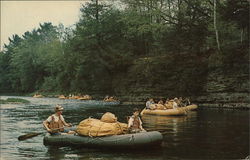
(56, 152)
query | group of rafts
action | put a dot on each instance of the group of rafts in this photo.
(79, 97)
(109, 133)
(87, 97)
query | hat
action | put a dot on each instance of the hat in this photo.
(136, 110)
(58, 108)
(175, 98)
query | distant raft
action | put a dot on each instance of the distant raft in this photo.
(38, 96)
(143, 139)
(85, 97)
(62, 97)
(170, 112)
(110, 100)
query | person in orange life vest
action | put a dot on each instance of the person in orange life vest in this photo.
(135, 123)
(55, 123)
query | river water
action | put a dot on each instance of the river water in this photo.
(202, 134)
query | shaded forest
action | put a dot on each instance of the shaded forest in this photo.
(132, 47)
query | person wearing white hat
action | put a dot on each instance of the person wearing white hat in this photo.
(55, 123)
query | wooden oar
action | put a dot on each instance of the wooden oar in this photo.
(28, 135)
(33, 134)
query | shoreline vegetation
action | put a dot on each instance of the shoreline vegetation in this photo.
(131, 100)
(14, 101)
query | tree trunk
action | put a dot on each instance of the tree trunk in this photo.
(241, 35)
(215, 28)
(97, 26)
(97, 10)
(169, 8)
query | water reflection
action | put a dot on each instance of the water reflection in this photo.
(102, 154)
(167, 124)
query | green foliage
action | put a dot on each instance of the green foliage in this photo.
(116, 48)
(14, 100)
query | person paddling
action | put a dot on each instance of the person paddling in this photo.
(135, 123)
(55, 123)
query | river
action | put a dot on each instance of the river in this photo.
(202, 134)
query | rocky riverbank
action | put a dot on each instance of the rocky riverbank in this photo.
(211, 80)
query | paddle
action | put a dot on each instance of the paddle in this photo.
(33, 134)
(28, 135)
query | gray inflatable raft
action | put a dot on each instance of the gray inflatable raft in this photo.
(142, 139)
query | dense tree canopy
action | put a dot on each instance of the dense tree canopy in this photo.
(133, 41)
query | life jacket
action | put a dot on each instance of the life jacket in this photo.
(53, 125)
(136, 123)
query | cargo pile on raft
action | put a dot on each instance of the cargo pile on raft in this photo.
(173, 107)
(106, 126)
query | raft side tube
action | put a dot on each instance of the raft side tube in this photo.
(142, 139)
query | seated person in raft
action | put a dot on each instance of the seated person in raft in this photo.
(149, 102)
(135, 123)
(106, 97)
(160, 105)
(186, 102)
(180, 102)
(175, 103)
(55, 123)
(161, 102)
(167, 100)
